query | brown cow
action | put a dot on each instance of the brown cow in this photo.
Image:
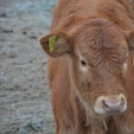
(92, 78)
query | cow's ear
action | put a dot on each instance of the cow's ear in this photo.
(56, 44)
(130, 40)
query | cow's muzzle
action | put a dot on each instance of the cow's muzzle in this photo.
(110, 104)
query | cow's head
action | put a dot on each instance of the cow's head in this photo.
(98, 51)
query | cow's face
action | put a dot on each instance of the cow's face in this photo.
(98, 67)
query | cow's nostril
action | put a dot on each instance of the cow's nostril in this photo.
(110, 104)
(113, 106)
(104, 103)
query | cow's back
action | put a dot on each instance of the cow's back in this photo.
(71, 11)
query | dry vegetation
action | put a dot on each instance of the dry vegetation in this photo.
(24, 96)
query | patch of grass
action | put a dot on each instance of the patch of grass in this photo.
(31, 126)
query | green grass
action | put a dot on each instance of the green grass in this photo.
(30, 127)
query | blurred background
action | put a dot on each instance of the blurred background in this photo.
(24, 96)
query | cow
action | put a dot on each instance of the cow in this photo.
(90, 66)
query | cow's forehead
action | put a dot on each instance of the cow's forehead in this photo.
(101, 38)
(99, 30)
(105, 42)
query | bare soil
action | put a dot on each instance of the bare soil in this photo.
(24, 96)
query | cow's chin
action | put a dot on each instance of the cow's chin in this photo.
(110, 105)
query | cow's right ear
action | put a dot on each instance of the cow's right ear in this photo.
(130, 40)
(56, 44)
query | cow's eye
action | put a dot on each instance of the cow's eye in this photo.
(83, 63)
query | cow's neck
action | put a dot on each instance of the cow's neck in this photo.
(85, 113)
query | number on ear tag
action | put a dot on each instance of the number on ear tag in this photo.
(52, 43)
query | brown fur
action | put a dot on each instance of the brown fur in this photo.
(98, 30)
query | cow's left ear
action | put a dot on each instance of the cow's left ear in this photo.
(56, 44)
(130, 40)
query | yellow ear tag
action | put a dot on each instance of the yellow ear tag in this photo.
(52, 43)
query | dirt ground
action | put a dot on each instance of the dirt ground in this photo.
(24, 96)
